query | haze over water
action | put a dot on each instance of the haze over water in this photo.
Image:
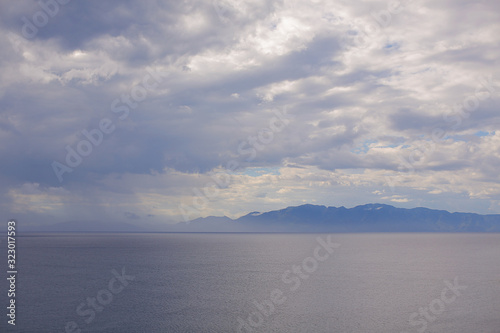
(205, 282)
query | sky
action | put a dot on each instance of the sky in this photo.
(152, 112)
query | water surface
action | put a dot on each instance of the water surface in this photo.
(217, 282)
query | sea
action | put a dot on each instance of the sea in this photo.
(214, 282)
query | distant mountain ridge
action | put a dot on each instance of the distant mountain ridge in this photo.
(311, 218)
(363, 218)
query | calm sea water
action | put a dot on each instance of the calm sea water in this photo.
(257, 283)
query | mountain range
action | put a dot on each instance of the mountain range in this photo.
(314, 218)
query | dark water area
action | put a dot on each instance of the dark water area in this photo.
(256, 283)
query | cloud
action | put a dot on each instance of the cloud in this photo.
(396, 198)
(366, 105)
